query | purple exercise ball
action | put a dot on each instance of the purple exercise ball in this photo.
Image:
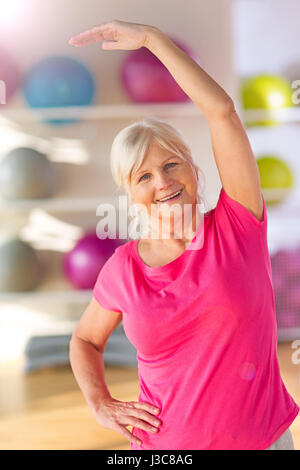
(280, 259)
(287, 319)
(147, 80)
(293, 264)
(278, 281)
(82, 264)
(294, 298)
(10, 75)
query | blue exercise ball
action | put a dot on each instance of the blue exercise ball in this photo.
(26, 173)
(58, 82)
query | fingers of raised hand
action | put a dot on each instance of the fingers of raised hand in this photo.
(95, 34)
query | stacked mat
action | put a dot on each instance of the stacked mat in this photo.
(53, 350)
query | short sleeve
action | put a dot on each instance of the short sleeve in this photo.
(105, 290)
(230, 212)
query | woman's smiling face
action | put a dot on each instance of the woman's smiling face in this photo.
(162, 174)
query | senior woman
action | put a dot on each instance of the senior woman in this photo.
(199, 309)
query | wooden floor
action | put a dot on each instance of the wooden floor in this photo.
(46, 410)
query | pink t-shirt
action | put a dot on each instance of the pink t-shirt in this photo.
(204, 326)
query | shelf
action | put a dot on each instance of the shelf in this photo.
(282, 116)
(288, 334)
(132, 110)
(90, 204)
(54, 287)
(67, 204)
(96, 112)
(54, 296)
(279, 194)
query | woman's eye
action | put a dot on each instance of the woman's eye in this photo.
(172, 164)
(141, 179)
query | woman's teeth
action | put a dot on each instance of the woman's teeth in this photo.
(170, 197)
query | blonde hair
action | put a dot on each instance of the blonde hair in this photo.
(131, 144)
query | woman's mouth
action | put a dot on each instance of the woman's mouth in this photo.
(171, 198)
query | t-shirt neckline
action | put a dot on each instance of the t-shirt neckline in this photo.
(165, 267)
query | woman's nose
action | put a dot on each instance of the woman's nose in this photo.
(162, 181)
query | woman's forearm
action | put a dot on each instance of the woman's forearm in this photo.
(88, 368)
(210, 97)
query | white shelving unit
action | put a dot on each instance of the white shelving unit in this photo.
(264, 43)
(61, 292)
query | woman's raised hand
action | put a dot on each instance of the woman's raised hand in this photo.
(115, 35)
(116, 415)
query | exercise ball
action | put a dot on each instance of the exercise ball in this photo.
(82, 264)
(292, 266)
(20, 269)
(278, 282)
(269, 92)
(276, 178)
(26, 173)
(286, 282)
(294, 297)
(10, 76)
(58, 82)
(288, 319)
(279, 260)
(146, 80)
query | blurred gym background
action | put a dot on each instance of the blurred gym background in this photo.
(60, 108)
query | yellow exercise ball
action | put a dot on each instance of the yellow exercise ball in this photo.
(266, 92)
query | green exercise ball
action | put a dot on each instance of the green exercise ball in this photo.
(269, 92)
(276, 178)
(26, 173)
(20, 268)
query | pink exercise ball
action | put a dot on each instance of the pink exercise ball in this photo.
(287, 319)
(294, 297)
(279, 259)
(147, 80)
(82, 264)
(279, 282)
(292, 268)
(10, 75)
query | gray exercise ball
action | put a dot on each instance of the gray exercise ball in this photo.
(26, 173)
(20, 268)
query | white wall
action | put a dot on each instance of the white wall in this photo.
(266, 37)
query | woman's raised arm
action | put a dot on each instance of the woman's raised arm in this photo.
(195, 82)
(234, 158)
